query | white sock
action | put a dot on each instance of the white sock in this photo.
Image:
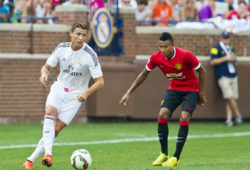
(38, 151)
(48, 134)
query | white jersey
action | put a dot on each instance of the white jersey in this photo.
(76, 67)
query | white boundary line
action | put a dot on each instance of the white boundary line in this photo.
(131, 140)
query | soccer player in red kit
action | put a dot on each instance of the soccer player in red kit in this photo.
(179, 67)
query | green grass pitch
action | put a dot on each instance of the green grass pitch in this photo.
(200, 153)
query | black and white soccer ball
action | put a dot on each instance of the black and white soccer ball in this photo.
(80, 159)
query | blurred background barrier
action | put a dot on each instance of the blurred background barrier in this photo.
(145, 101)
(22, 98)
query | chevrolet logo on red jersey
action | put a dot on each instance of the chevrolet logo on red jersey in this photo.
(173, 75)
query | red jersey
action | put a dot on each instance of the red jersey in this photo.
(234, 15)
(179, 69)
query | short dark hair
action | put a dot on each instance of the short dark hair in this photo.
(225, 34)
(165, 36)
(78, 25)
(242, 2)
(142, 2)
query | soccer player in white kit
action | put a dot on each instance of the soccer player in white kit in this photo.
(78, 63)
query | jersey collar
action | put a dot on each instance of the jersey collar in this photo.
(173, 55)
(84, 44)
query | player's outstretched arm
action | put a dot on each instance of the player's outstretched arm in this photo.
(202, 80)
(45, 70)
(217, 61)
(140, 78)
(98, 84)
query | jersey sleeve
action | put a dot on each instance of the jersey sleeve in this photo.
(214, 53)
(95, 67)
(150, 64)
(53, 58)
(193, 61)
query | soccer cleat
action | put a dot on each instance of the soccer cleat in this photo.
(47, 160)
(28, 165)
(160, 159)
(170, 162)
(238, 120)
(229, 123)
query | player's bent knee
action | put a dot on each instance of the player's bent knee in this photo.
(164, 113)
(230, 100)
(185, 116)
(51, 111)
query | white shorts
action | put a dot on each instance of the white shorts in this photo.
(66, 103)
(229, 87)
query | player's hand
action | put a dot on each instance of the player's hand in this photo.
(231, 58)
(82, 97)
(202, 99)
(124, 100)
(44, 79)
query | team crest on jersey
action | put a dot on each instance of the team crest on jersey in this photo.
(178, 66)
(80, 63)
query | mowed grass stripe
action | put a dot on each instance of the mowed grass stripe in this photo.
(222, 135)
